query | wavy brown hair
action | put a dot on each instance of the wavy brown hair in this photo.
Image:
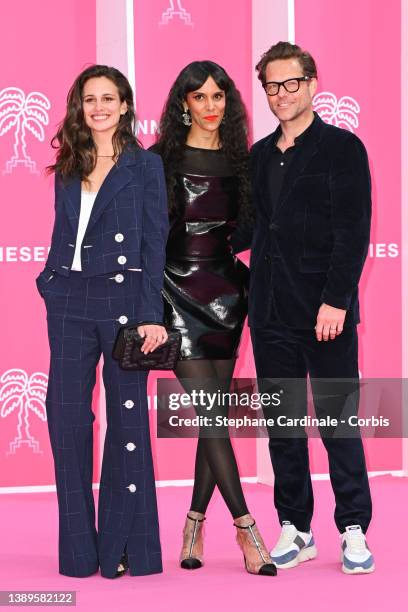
(76, 151)
(233, 129)
(285, 50)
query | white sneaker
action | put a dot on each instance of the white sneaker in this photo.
(355, 554)
(293, 547)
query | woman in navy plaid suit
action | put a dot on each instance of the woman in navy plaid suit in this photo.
(104, 270)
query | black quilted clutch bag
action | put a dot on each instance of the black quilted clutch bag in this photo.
(127, 351)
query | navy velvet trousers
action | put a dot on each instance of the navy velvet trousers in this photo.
(282, 352)
(84, 316)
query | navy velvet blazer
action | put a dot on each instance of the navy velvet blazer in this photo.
(128, 226)
(312, 248)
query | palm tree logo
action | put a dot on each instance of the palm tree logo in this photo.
(25, 395)
(342, 113)
(24, 114)
(179, 12)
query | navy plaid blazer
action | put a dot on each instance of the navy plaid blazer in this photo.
(127, 229)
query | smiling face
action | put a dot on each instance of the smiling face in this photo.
(101, 105)
(206, 106)
(290, 106)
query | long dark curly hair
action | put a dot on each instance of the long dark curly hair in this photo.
(233, 130)
(76, 149)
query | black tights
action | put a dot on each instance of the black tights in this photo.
(215, 460)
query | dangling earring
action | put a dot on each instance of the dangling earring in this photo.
(186, 117)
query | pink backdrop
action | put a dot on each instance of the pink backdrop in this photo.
(356, 45)
(161, 51)
(45, 51)
(46, 45)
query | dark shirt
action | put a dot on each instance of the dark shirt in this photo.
(277, 165)
(202, 162)
(205, 162)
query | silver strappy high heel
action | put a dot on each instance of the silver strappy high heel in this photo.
(191, 556)
(249, 535)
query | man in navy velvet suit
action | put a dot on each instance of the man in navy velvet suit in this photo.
(311, 191)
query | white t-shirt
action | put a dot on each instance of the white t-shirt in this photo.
(87, 202)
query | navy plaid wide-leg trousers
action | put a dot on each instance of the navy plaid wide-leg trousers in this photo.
(84, 316)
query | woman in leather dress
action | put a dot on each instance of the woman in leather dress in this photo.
(203, 144)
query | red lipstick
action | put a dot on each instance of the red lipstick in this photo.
(211, 117)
